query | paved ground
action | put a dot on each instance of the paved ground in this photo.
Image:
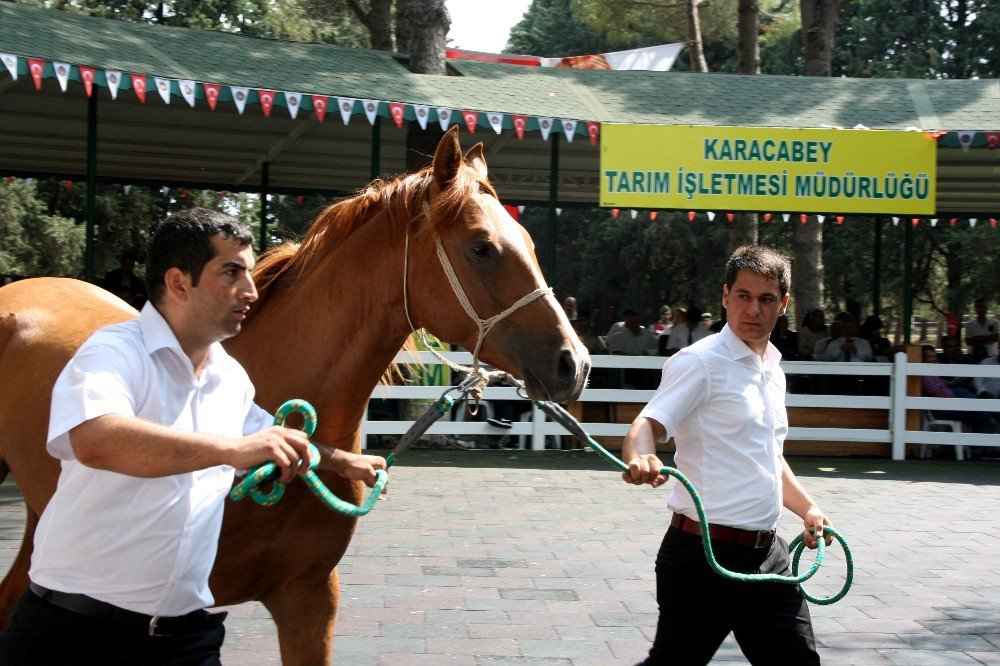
(487, 557)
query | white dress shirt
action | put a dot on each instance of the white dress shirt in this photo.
(624, 341)
(146, 545)
(988, 384)
(833, 352)
(973, 327)
(725, 408)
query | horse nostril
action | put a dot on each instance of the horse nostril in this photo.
(566, 369)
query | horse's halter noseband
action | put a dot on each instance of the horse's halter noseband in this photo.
(481, 377)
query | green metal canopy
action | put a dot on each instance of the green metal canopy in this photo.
(44, 132)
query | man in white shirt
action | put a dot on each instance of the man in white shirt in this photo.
(723, 401)
(631, 339)
(982, 330)
(848, 347)
(150, 418)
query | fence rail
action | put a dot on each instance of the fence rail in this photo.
(537, 428)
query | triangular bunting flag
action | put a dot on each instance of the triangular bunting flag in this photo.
(187, 91)
(422, 112)
(212, 91)
(520, 209)
(545, 126)
(37, 68)
(915, 221)
(786, 216)
(559, 212)
(840, 219)
(895, 221)
(139, 86)
(653, 214)
(992, 139)
(512, 211)
(470, 118)
(569, 129)
(593, 130)
(820, 218)
(294, 102)
(444, 118)
(614, 213)
(163, 87)
(972, 222)
(240, 97)
(767, 217)
(730, 217)
(803, 218)
(114, 78)
(691, 215)
(69, 185)
(993, 220)
(31, 181)
(185, 192)
(319, 106)
(10, 62)
(520, 122)
(300, 198)
(965, 138)
(634, 213)
(710, 215)
(396, 110)
(346, 106)
(496, 121)
(127, 188)
(266, 98)
(87, 76)
(934, 221)
(62, 73)
(953, 221)
(371, 109)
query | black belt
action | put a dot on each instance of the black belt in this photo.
(724, 533)
(153, 625)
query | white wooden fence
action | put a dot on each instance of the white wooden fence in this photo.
(897, 402)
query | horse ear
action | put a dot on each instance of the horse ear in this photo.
(447, 158)
(477, 160)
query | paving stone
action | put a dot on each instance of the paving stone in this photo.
(927, 658)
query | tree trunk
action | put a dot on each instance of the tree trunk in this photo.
(749, 45)
(695, 49)
(743, 230)
(807, 267)
(819, 24)
(422, 29)
(378, 21)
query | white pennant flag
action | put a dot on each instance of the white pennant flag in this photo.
(346, 106)
(164, 189)
(545, 126)
(972, 222)
(634, 213)
(29, 181)
(114, 78)
(240, 97)
(965, 138)
(444, 118)
(422, 112)
(786, 216)
(294, 101)
(820, 218)
(934, 221)
(62, 73)
(895, 221)
(163, 87)
(569, 128)
(559, 212)
(371, 109)
(10, 61)
(520, 209)
(187, 91)
(496, 121)
(128, 188)
(711, 216)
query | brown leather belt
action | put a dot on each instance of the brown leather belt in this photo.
(725, 534)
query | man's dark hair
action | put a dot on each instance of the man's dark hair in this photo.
(764, 261)
(184, 241)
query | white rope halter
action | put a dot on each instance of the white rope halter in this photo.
(483, 326)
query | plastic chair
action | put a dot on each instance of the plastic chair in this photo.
(932, 424)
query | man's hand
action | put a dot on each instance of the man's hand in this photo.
(360, 467)
(814, 520)
(643, 469)
(285, 447)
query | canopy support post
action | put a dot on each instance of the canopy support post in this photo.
(553, 203)
(907, 281)
(376, 152)
(877, 269)
(265, 178)
(91, 185)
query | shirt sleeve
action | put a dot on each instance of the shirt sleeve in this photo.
(97, 381)
(257, 419)
(683, 386)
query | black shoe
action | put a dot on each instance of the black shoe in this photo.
(500, 423)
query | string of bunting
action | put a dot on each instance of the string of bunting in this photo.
(692, 216)
(213, 93)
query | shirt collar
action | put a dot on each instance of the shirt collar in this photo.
(739, 349)
(157, 334)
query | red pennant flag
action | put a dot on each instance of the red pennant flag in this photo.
(730, 216)
(840, 219)
(614, 213)
(993, 222)
(767, 217)
(691, 215)
(803, 217)
(223, 193)
(319, 106)
(9, 179)
(212, 93)
(396, 110)
(139, 86)
(185, 192)
(653, 214)
(69, 185)
(519, 124)
(512, 211)
(992, 139)
(593, 129)
(936, 134)
(470, 118)
(266, 101)
(300, 198)
(915, 221)
(37, 68)
(953, 221)
(87, 75)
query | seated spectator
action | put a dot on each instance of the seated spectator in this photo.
(123, 282)
(614, 321)
(951, 354)
(586, 333)
(704, 328)
(662, 325)
(785, 340)
(983, 330)
(871, 330)
(848, 347)
(813, 330)
(632, 338)
(680, 333)
(987, 387)
(936, 387)
(569, 305)
(834, 330)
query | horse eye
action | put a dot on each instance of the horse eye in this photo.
(482, 250)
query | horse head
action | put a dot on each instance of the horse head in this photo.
(476, 281)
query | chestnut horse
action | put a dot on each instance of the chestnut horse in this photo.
(330, 319)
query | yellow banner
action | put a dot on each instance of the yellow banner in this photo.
(430, 375)
(747, 168)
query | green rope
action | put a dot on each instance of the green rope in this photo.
(796, 547)
(260, 475)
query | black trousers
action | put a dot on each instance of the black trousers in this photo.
(41, 633)
(698, 607)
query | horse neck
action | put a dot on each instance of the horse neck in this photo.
(330, 337)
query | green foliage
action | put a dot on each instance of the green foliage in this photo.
(36, 243)
(550, 29)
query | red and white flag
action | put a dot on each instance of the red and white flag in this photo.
(139, 86)
(212, 91)
(266, 98)
(519, 124)
(319, 106)
(470, 118)
(87, 76)
(397, 111)
(37, 68)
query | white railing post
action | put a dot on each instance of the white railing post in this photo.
(364, 431)
(897, 392)
(537, 428)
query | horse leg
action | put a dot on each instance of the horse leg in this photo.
(16, 580)
(304, 612)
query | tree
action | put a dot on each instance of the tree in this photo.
(744, 229)
(36, 243)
